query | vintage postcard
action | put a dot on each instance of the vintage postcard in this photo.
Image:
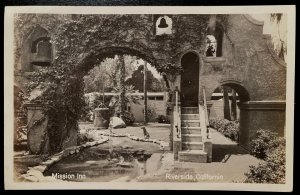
(186, 98)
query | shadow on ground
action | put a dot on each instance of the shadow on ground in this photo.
(222, 152)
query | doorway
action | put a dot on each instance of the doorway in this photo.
(190, 80)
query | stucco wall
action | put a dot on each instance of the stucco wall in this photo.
(249, 60)
(157, 107)
(216, 110)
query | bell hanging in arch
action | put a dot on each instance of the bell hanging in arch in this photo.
(43, 56)
(163, 23)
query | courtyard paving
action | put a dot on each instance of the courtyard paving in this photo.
(157, 131)
(229, 161)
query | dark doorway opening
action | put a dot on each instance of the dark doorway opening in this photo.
(190, 80)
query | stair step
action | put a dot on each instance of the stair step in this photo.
(191, 138)
(190, 116)
(189, 110)
(190, 123)
(192, 146)
(192, 156)
(191, 130)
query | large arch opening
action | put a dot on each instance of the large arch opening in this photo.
(226, 119)
(101, 71)
(224, 105)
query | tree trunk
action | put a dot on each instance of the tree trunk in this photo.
(226, 103)
(122, 86)
(233, 105)
(145, 94)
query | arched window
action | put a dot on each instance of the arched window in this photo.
(35, 43)
(163, 25)
(42, 51)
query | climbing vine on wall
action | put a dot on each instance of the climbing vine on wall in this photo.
(62, 97)
(73, 38)
(61, 85)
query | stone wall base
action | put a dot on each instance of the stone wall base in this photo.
(37, 135)
(255, 115)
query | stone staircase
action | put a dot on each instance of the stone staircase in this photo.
(192, 138)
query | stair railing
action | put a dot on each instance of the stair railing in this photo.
(176, 124)
(206, 114)
(177, 121)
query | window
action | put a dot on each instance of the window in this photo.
(41, 49)
(151, 98)
(34, 44)
(159, 98)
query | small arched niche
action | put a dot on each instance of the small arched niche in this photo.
(41, 50)
(163, 25)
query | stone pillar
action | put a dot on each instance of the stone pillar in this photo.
(208, 149)
(209, 105)
(256, 115)
(37, 135)
(176, 144)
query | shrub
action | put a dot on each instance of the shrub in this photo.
(231, 130)
(264, 142)
(228, 128)
(150, 113)
(83, 138)
(127, 117)
(218, 124)
(272, 170)
(163, 119)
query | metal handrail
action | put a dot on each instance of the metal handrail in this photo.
(206, 114)
(177, 116)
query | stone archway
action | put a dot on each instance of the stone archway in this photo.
(244, 98)
(99, 53)
(109, 49)
(239, 88)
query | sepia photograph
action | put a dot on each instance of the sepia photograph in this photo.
(191, 98)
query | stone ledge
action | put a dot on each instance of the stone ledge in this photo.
(262, 105)
(214, 59)
(34, 106)
(35, 174)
